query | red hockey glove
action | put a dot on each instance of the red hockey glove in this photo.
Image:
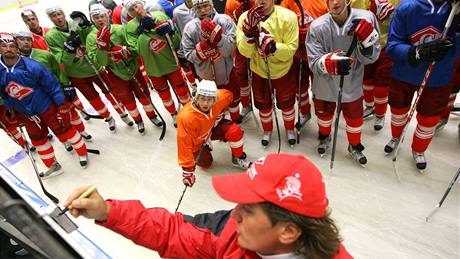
(165, 27)
(211, 31)
(188, 176)
(9, 117)
(250, 24)
(335, 63)
(205, 51)
(118, 53)
(267, 44)
(103, 38)
(63, 115)
(365, 32)
(381, 8)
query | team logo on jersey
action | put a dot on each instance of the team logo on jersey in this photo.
(307, 19)
(156, 45)
(291, 189)
(18, 91)
(425, 35)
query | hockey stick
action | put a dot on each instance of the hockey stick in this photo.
(249, 72)
(171, 46)
(196, 160)
(298, 125)
(91, 116)
(27, 149)
(350, 50)
(272, 94)
(451, 184)
(421, 89)
(93, 67)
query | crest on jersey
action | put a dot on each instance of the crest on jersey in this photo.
(291, 188)
(308, 18)
(425, 35)
(17, 91)
(156, 45)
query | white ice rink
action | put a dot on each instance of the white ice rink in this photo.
(378, 217)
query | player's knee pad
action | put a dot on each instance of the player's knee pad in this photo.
(234, 133)
(428, 121)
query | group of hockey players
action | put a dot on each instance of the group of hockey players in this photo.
(376, 52)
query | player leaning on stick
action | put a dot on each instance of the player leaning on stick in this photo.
(70, 50)
(147, 34)
(413, 43)
(271, 31)
(208, 41)
(29, 88)
(201, 121)
(329, 37)
(107, 45)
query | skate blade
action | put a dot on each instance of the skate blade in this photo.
(51, 175)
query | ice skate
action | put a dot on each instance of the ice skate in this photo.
(244, 115)
(127, 120)
(111, 122)
(356, 153)
(390, 146)
(156, 121)
(369, 111)
(84, 116)
(441, 124)
(303, 120)
(174, 118)
(291, 136)
(323, 145)
(420, 161)
(241, 162)
(266, 138)
(83, 161)
(140, 127)
(86, 136)
(379, 123)
(68, 146)
(54, 170)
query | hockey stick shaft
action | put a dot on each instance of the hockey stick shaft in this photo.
(173, 51)
(299, 105)
(352, 48)
(451, 184)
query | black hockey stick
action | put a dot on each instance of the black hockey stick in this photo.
(49, 195)
(298, 125)
(91, 116)
(350, 50)
(449, 187)
(171, 46)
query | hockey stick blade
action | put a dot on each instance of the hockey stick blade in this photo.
(93, 151)
(92, 116)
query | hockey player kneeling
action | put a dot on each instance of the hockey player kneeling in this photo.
(201, 121)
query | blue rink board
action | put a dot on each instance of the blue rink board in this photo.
(76, 239)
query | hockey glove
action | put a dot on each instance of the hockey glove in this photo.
(63, 115)
(146, 24)
(381, 8)
(365, 32)
(103, 38)
(211, 31)
(205, 51)
(72, 42)
(165, 27)
(429, 52)
(9, 117)
(188, 176)
(183, 62)
(118, 53)
(250, 24)
(335, 63)
(267, 44)
(84, 22)
(69, 92)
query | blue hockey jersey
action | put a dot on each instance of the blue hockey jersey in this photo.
(415, 22)
(169, 6)
(28, 87)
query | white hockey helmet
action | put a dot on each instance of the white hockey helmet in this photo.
(130, 3)
(23, 34)
(55, 9)
(6, 37)
(206, 88)
(95, 9)
(196, 3)
(26, 13)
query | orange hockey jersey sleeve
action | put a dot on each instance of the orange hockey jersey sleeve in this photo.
(194, 127)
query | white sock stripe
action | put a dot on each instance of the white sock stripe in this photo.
(324, 123)
(44, 147)
(383, 100)
(134, 113)
(76, 121)
(46, 156)
(370, 104)
(452, 96)
(168, 103)
(368, 87)
(148, 108)
(425, 129)
(103, 110)
(266, 120)
(262, 114)
(399, 116)
(234, 109)
(78, 144)
(236, 144)
(304, 102)
(77, 102)
(351, 129)
(74, 138)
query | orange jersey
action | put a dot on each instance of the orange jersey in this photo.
(194, 127)
(312, 9)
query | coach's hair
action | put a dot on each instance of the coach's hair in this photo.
(320, 237)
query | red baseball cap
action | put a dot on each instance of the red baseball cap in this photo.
(290, 181)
